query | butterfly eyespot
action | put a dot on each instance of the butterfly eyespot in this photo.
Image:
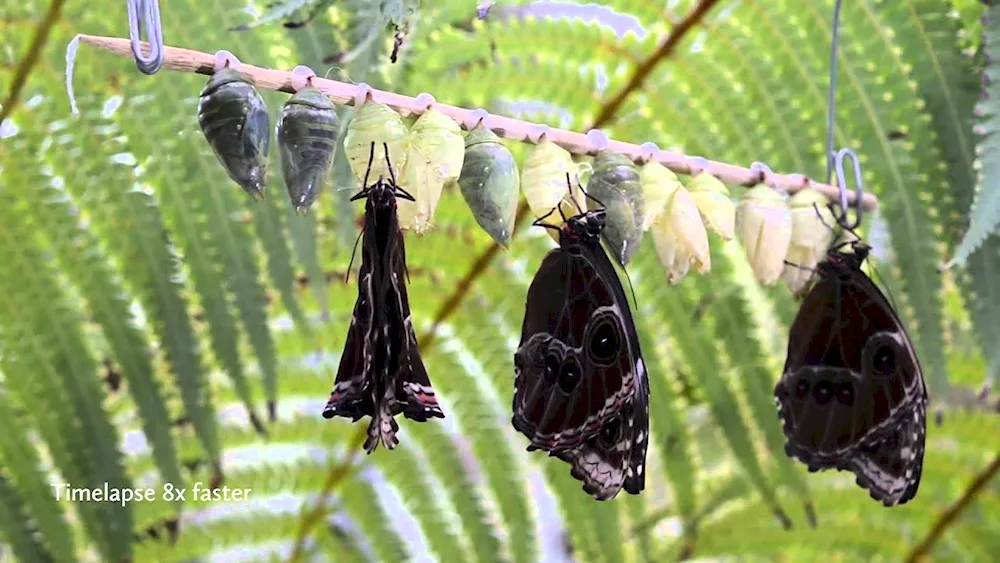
(551, 367)
(823, 392)
(884, 360)
(845, 393)
(802, 389)
(602, 346)
(569, 376)
(610, 434)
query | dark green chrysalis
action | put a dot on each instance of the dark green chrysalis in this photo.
(307, 140)
(616, 184)
(235, 122)
(490, 183)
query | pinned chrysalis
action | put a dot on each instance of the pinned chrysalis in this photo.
(679, 235)
(764, 225)
(379, 124)
(811, 236)
(712, 198)
(234, 120)
(489, 183)
(435, 151)
(616, 184)
(543, 181)
(307, 132)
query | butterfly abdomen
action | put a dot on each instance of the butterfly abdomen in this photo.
(234, 120)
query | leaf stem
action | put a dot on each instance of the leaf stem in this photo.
(336, 475)
(30, 59)
(949, 516)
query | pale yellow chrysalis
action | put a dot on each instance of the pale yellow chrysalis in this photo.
(764, 225)
(435, 150)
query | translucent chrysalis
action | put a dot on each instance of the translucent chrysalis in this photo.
(435, 151)
(764, 225)
(380, 124)
(543, 181)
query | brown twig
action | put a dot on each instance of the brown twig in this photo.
(949, 516)
(30, 59)
(337, 474)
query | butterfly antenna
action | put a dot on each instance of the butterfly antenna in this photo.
(392, 175)
(588, 196)
(539, 222)
(347, 276)
(569, 188)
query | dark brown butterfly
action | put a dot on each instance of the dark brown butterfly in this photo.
(580, 390)
(852, 395)
(381, 373)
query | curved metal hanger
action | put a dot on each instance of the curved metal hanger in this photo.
(150, 10)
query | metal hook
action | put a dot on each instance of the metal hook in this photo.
(154, 30)
(842, 188)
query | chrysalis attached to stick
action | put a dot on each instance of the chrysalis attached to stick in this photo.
(543, 181)
(679, 234)
(435, 151)
(490, 183)
(379, 124)
(811, 236)
(616, 184)
(764, 225)
(234, 120)
(712, 198)
(307, 132)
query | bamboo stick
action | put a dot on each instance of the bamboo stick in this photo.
(342, 93)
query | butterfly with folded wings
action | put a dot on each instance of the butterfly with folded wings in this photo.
(381, 373)
(852, 396)
(581, 391)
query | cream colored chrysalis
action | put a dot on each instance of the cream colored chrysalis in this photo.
(435, 151)
(679, 234)
(378, 123)
(764, 227)
(812, 233)
(713, 201)
(543, 181)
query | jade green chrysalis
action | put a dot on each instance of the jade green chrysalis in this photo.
(489, 183)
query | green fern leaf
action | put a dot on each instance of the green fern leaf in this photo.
(984, 215)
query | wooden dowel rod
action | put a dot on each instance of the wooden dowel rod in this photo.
(342, 93)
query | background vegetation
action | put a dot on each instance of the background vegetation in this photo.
(150, 314)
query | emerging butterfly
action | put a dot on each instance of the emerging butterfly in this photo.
(381, 373)
(852, 394)
(580, 389)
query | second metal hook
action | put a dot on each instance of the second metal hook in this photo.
(149, 10)
(838, 161)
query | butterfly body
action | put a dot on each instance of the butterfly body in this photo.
(581, 391)
(852, 395)
(381, 373)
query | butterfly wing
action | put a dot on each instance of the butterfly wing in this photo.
(578, 360)
(413, 390)
(352, 394)
(852, 395)
(615, 457)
